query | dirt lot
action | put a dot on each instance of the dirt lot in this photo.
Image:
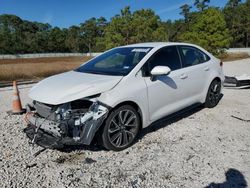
(205, 147)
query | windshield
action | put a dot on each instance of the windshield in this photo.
(119, 61)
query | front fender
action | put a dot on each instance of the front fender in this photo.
(134, 91)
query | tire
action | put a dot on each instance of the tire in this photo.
(213, 94)
(121, 128)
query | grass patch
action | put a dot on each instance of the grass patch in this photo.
(233, 56)
(37, 68)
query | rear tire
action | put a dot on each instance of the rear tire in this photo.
(121, 128)
(213, 94)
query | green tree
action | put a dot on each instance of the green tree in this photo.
(147, 27)
(140, 26)
(73, 39)
(237, 17)
(56, 40)
(11, 32)
(246, 22)
(29, 33)
(5, 36)
(175, 29)
(201, 4)
(41, 37)
(120, 30)
(91, 30)
(185, 11)
(21, 36)
(209, 30)
(233, 3)
(101, 24)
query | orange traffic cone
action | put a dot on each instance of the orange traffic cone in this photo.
(16, 102)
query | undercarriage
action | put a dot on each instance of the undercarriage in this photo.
(72, 123)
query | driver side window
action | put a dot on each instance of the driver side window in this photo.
(167, 56)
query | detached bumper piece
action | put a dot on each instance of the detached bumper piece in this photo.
(69, 129)
(237, 82)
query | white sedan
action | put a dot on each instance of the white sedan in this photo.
(113, 96)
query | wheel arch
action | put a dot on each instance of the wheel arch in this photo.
(208, 103)
(135, 106)
(209, 81)
(216, 78)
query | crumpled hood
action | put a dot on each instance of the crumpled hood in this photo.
(71, 86)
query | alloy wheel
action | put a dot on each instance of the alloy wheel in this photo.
(214, 93)
(122, 128)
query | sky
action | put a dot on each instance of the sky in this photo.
(65, 13)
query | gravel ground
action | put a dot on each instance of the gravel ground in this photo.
(205, 147)
(237, 68)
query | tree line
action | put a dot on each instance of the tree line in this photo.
(210, 27)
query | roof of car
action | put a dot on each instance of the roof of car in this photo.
(157, 44)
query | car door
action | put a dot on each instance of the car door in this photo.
(195, 66)
(166, 94)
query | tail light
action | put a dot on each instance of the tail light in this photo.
(221, 63)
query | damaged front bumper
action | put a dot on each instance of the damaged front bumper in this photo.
(52, 127)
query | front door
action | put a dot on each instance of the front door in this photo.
(166, 93)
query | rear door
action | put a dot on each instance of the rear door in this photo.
(196, 67)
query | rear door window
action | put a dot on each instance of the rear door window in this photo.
(193, 56)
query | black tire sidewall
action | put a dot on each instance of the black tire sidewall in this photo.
(208, 103)
(104, 135)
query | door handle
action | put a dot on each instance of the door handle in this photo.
(206, 68)
(183, 76)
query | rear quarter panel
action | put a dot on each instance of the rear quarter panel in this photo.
(216, 71)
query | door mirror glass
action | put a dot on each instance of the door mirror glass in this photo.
(160, 70)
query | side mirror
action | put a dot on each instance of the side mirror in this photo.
(160, 70)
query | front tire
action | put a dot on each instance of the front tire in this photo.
(213, 94)
(121, 128)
